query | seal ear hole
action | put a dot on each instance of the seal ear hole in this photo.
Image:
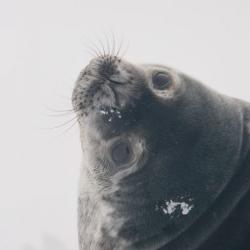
(121, 152)
(161, 81)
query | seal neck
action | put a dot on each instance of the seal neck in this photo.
(206, 232)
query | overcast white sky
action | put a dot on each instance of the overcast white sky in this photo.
(43, 48)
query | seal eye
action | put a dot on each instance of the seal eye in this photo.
(161, 81)
(121, 152)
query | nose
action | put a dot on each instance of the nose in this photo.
(108, 69)
(104, 66)
(107, 66)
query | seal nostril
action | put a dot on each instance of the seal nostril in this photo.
(115, 82)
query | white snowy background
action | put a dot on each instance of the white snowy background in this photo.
(43, 46)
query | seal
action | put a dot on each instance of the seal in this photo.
(166, 162)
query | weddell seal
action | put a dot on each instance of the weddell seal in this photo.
(166, 162)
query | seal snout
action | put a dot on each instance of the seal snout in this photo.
(107, 81)
(109, 69)
(103, 66)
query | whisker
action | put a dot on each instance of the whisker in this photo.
(92, 52)
(114, 44)
(66, 110)
(68, 129)
(119, 48)
(93, 46)
(65, 123)
(60, 115)
(108, 44)
(61, 110)
(124, 52)
(103, 48)
(97, 50)
(90, 49)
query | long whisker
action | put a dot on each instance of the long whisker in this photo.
(60, 115)
(89, 48)
(68, 129)
(124, 51)
(108, 44)
(119, 48)
(61, 111)
(103, 48)
(93, 50)
(65, 123)
(64, 112)
(93, 47)
(113, 44)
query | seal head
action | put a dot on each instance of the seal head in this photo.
(159, 150)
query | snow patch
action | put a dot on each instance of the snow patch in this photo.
(171, 206)
(103, 112)
(111, 113)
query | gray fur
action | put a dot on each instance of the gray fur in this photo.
(190, 151)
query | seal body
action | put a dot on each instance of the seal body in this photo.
(166, 162)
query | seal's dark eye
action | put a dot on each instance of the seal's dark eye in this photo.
(161, 81)
(121, 152)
